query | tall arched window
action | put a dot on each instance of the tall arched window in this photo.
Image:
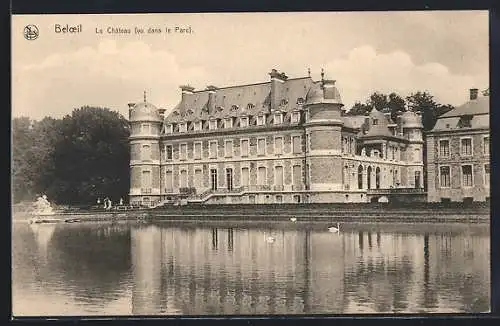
(377, 178)
(369, 177)
(360, 177)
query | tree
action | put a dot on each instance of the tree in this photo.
(378, 101)
(92, 157)
(33, 144)
(424, 103)
(72, 160)
(442, 109)
(46, 135)
(22, 139)
(359, 109)
(396, 105)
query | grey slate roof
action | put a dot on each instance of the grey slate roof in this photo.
(473, 107)
(240, 100)
(479, 109)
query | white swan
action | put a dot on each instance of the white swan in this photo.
(334, 229)
(270, 239)
(293, 219)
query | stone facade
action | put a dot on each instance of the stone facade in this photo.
(283, 141)
(458, 154)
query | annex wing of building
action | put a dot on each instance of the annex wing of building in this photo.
(458, 153)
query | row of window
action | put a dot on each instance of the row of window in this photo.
(229, 148)
(466, 146)
(215, 181)
(231, 122)
(364, 180)
(466, 174)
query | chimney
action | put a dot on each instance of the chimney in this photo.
(186, 89)
(473, 93)
(211, 98)
(277, 80)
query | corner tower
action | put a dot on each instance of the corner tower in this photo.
(412, 131)
(145, 126)
(323, 142)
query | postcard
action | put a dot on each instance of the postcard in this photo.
(280, 163)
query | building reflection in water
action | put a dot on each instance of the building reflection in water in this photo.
(417, 273)
(147, 253)
(194, 271)
(297, 273)
(197, 270)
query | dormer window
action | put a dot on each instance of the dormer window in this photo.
(278, 118)
(244, 122)
(197, 126)
(300, 101)
(234, 108)
(169, 129)
(284, 102)
(465, 121)
(375, 122)
(228, 123)
(295, 117)
(190, 112)
(212, 125)
(250, 106)
(260, 120)
(182, 127)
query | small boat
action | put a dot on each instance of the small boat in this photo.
(72, 220)
(293, 219)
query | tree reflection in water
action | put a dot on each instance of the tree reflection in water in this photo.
(87, 262)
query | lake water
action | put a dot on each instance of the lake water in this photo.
(206, 269)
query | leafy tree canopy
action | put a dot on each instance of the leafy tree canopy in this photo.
(422, 102)
(73, 160)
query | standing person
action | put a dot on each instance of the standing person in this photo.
(121, 201)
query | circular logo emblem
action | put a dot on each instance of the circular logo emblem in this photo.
(31, 32)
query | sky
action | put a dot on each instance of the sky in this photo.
(444, 53)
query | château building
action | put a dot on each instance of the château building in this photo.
(287, 140)
(458, 153)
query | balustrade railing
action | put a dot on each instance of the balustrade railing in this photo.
(248, 188)
(395, 191)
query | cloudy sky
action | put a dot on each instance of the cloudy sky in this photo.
(445, 53)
